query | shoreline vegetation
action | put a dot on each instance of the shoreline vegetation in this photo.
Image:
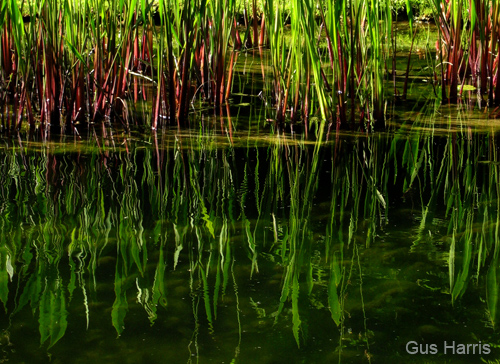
(421, 9)
(73, 63)
(270, 247)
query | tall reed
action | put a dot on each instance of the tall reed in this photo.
(468, 48)
(80, 62)
(95, 60)
(342, 81)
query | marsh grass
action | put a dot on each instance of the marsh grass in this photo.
(95, 60)
(342, 82)
(74, 63)
(467, 48)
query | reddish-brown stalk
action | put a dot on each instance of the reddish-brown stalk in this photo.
(232, 62)
(235, 35)
(262, 31)
(184, 84)
(255, 30)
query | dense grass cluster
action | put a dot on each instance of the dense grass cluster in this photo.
(93, 59)
(66, 62)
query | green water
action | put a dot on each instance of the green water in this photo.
(210, 247)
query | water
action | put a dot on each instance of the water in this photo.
(201, 247)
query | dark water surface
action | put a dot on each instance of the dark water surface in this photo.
(200, 248)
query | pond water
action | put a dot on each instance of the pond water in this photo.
(252, 247)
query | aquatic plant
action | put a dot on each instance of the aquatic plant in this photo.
(72, 63)
(467, 48)
(91, 61)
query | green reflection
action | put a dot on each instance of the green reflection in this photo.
(335, 251)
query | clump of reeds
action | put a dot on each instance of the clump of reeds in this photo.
(339, 82)
(468, 48)
(93, 60)
(350, 73)
(71, 62)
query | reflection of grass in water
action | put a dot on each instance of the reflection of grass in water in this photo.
(188, 209)
(472, 224)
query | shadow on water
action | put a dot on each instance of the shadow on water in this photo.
(234, 247)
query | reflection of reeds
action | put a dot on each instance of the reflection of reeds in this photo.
(210, 214)
(468, 189)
